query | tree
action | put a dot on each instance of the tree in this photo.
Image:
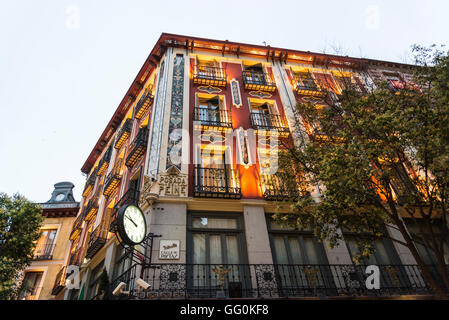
(20, 221)
(378, 156)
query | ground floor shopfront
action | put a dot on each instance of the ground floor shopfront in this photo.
(233, 249)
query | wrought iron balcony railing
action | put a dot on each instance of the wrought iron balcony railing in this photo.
(30, 293)
(212, 76)
(104, 162)
(44, 251)
(256, 80)
(76, 257)
(59, 281)
(274, 188)
(270, 281)
(130, 197)
(76, 230)
(212, 118)
(124, 133)
(97, 239)
(308, 87)
(216, 182)
(112, 181)
(91, 208)
(137, 147)
(269, 123)
(402, 87)
(144, 103)
(88, 187)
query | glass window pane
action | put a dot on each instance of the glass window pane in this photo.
(295, 250)
(276, 226)
(232, 250)
(199, 248)
(214, 223)
(215, 249)
(280, 250)
(382, 253)
(312, 254)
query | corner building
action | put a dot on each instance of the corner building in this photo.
(193, 145)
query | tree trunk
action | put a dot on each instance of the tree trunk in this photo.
(440, 292)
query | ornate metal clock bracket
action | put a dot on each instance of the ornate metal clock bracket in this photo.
(140, 256)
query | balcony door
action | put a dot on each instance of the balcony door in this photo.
(30, 285)
(300, 261)
(45, 244)
(217, 260)
(209, 110)
(255, 74)
(207, 69)
(212, 172)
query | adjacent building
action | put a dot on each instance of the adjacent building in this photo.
(193, 145)
(46, 274)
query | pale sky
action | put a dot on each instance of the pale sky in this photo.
(66, 65)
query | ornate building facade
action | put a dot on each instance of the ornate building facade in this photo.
(44, 278)
(192, 145)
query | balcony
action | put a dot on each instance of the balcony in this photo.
(30, 293)
(76, 231)
(130, 197)
(112, 181)
(216, 183)
(97, 239)
(270, 281)
(211, 76)
(104, 162)
(137, 148)
(124, 133)
(59, 281)
(91, 208)
(214, 119)
(144, 103)
(274, 188)
(76, 257)
(259, 81)
(306, 86)
(402, 87)
(89, 184)
(269, 123)
(44, 251)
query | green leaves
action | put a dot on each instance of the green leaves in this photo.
(20, 220)
(384, 152)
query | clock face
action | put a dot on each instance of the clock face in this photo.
(59, 197)
(134, 225)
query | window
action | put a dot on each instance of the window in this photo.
(293, 246)
(263, 114)
(122, 261)
(385, 253)
(45, 245)
(31, 285)
(215, 244)
(300, 260)
(305, 80)
(427, 254)
(94, 281)
(209, 109)
(254, 73)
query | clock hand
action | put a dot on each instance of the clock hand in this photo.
(131, 220)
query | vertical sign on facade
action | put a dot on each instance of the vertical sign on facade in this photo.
(235, 91)
(155, 148)
(174, 149)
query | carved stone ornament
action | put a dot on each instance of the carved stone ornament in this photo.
(147, 195)
(260, 94)
(173, 183)
(209, 89)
